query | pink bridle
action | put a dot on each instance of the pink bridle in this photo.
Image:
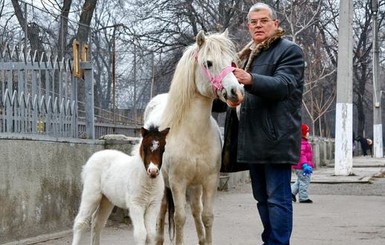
(216, 82)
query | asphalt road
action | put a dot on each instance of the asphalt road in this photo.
(342, 214)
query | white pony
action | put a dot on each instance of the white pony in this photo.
(112, 178)
(192, 158)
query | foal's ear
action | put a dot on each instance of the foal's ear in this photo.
(143, 131)
(165, 131)
(200, 38)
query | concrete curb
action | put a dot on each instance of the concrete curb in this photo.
(41, 238)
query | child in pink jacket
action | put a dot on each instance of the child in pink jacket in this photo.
(303, 169)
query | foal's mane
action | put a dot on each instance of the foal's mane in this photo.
(183, 85)
(136, 148)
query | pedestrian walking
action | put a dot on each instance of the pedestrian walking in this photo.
(303, 169)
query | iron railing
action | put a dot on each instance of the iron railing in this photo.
(40, 98)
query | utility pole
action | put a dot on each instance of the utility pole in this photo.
(152, 75)
(344, 109)
(114, 79)
(377, 120)
(135, 85)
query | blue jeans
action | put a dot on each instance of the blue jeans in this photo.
(271, 189)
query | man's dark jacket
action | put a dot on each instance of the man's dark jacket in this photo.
(270, 116)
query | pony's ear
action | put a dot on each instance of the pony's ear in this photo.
(226, 32)
(200, 38)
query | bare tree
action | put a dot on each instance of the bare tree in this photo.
(299, 18)
(136, 44)
(362, 65)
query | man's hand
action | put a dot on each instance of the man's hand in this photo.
(243, 76)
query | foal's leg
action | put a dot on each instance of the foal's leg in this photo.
(137, 218)
(150, 216)
(196, 210)
(89, 203)
(209, 190)
(160, 221)
(100, 218)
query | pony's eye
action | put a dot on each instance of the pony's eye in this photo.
(208, 64)
(233, 65)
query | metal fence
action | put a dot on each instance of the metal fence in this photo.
(40, 98)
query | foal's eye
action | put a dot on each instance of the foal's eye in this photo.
(208, 64)
(233, 65)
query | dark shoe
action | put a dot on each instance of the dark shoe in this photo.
(306, 201)
(293, 198)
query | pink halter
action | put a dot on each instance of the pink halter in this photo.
(216, 81)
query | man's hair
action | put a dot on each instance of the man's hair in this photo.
(259, 6)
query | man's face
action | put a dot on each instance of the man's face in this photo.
(261, 26)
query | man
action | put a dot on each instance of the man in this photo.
(269, 131)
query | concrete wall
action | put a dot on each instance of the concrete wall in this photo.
(40, 183)
(323, 151)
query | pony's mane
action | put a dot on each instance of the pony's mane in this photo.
(182, 88)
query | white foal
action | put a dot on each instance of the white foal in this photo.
(112, 178)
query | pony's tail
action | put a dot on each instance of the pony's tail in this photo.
(171, 212)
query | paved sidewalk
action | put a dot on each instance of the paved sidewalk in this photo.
(330, 220)
(364, 168)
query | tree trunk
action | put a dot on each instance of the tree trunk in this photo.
(63, 30)
(85, 21)
(31, 32)
(84, 32)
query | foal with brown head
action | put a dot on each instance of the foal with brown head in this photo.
(151, 149)
(112, 178)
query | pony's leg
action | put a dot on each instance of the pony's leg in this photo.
(179, 195)
(150, 221)
(160, 222)
(89, 203)
(209, 190)
(137, 218)
(99, 219)
(196, 210)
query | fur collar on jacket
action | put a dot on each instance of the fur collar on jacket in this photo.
(250, 51)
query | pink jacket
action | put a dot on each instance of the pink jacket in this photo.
(306, 155)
